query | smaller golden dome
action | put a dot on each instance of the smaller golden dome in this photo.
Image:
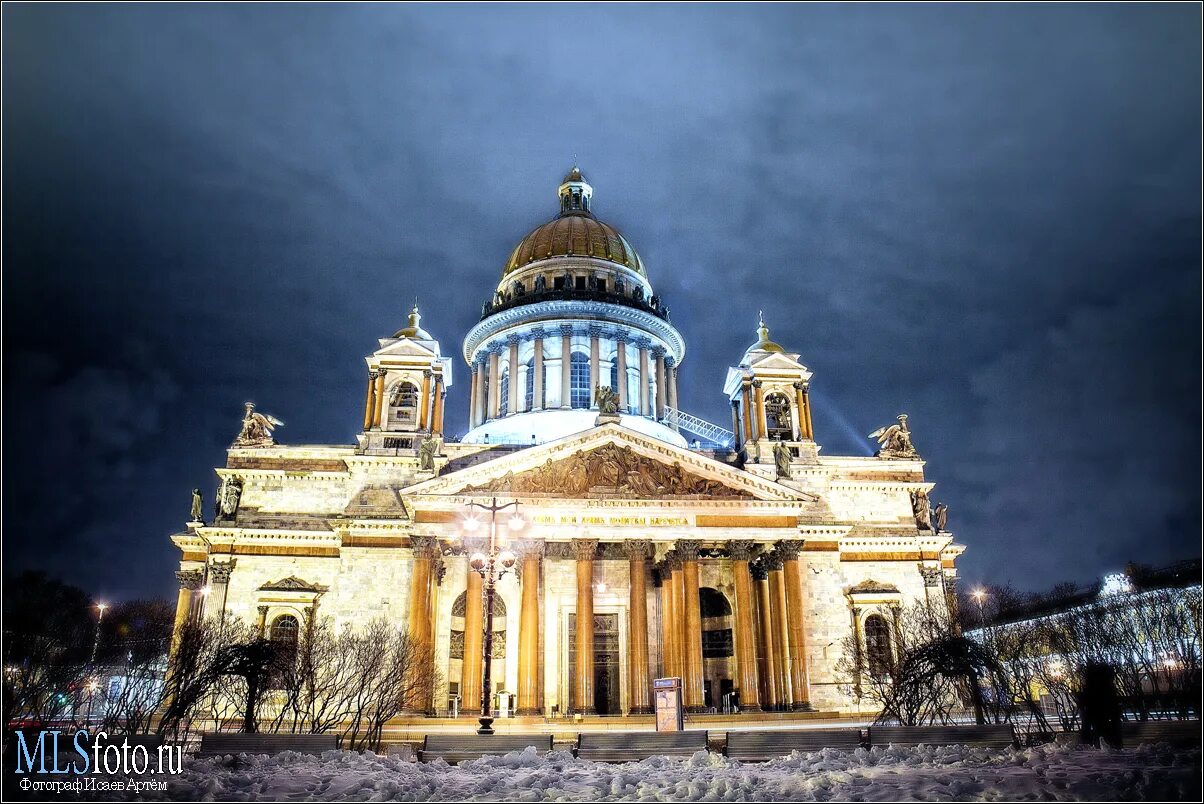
(413, 330)
(763, 343)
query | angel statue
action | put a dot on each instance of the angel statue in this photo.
(940, 516)
(256, 428)
(894, 441)
(427, 451)
(608, 400)
(198, 513)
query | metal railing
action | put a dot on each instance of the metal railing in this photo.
(711, 432)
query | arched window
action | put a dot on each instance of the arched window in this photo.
(283, 635)
(503, 395)
(777, 417)
(403, 403)
(582, 395)
(878, 651)
(529, 391)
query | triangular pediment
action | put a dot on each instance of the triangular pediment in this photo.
(407, 347)
(609, 461)
(779, 361)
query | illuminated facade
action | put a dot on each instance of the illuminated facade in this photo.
(738, 559)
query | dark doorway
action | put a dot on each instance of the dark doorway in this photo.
(606, 663)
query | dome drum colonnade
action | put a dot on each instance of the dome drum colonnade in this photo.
(573, 311)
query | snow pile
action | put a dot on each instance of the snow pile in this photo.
(879, 774)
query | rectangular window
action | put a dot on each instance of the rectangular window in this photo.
(579, 282)
(558, 283)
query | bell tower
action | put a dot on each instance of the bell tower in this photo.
(408, 378)
(769, 392)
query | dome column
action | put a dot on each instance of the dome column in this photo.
(736, 425)
(537, 367)
(479, 401)
(595, 362)
(472, 396)
(494, 381)
(566, 367)
(745, 409)
(671, 383)
(645, 403)
(659, 354)
(621, 371)
(760, 412)
(512, 402)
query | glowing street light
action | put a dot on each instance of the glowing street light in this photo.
(491, 566)
(979, 596)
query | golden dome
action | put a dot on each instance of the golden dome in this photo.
(413, 330)
(575, 233)
(763, 343)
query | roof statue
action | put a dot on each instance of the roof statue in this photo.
(256, 428)
(894, 441)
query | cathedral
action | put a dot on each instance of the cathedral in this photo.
(641, 542)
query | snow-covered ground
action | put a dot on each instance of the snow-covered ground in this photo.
(882, 774)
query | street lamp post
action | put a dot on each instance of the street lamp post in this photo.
(979, 596)
(491, 566)
(96, 640)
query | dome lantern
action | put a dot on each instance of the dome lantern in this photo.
(575, 194)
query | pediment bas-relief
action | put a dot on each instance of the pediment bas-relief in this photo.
(609, 471)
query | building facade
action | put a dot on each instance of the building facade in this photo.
(649, 543)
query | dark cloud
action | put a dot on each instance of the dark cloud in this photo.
(985, 217)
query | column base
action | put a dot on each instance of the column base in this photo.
(696, 709)
(750, 710)
(589, 710)
(640, 710)
(802, 706)
(529, 711)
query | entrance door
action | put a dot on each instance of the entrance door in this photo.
(606, 663)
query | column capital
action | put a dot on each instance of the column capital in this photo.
(566, 330)
(672, 560)
(530, 548)
(373, 374)
(621, 336)
(789, 549)
(596, 330)
(643, 343)
(537, 333)
(514, 339)
(638, 549)
(219, 571)
(190, 579)
(658, 352)
(424, 546)
(773, 561)
(799, 386)
(756, 383)
(585, 549)
(742, 549)
(496, 348)
(670, 362)
(759, 569)
(689, 549)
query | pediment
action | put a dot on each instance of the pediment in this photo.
(407, 347)
(779, 361)
(291, 584)
(377, 501)
(609, 461)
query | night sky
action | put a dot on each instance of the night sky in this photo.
(987, 217)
